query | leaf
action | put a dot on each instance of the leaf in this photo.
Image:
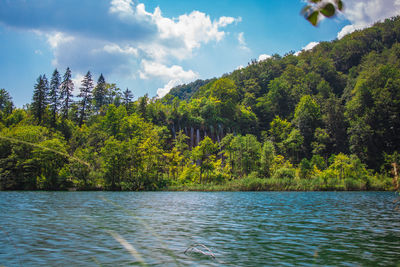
(339, 4)
(313, 18)
(315, 1)
(328, 10)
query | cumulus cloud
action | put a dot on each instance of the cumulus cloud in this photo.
(57, 38)
(178, 37)
(364, 13)
(116, 49)
(155, 69)
(161, 92)
(309, 46)
(263, 57)
(124, 8)
(117, 36)
(98, 19)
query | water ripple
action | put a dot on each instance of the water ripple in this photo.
(241, 229)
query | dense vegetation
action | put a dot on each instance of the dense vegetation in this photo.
(327, 119)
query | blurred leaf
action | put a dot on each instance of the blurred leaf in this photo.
(313, 18)
(339, 4)
(328, 10)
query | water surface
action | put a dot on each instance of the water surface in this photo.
(240, 228)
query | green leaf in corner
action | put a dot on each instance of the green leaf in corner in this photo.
(339, 4)
(313, 18)
(328, 10)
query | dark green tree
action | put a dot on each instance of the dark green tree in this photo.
(100, 93)
(6, 104)
(40, 98)
(307, 118)
(54, 95)
(142, 108)
(127, 98)
(86, 96)
(67, 86)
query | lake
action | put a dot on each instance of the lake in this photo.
(239, 228)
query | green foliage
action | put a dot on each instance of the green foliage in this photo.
(307, 118)
(267, 158)
(315, 9)
(328, 119)
(6, 104)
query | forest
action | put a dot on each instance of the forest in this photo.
(323, 119)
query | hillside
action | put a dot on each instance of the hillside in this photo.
(327, 119)
(186, 91)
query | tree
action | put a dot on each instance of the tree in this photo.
(267, 158)
(142, 108)
(114, 163)
(127, 98)
(54, 95)
(86, 96)
(40, 98)
(6, 104)
(203, 154)
(100, 93)
(67, 86)
(307, 118)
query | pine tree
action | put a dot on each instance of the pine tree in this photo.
(6, 104)
(127, 97)
(100, 92)
(54, 95)
(142, 108)
(86, 96)
(67, 87)
(40, 98)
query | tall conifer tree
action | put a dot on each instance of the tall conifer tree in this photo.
(67, 87)
(127, 97)
(100, 93)
(54, 95)
(86, 96)
(40, 98)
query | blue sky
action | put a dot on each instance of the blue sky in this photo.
(149, 46)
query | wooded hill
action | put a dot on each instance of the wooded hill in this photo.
(325, 119)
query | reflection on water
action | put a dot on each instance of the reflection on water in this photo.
(241, 228)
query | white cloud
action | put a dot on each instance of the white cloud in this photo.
(242, 41)
(38, 52)
(309, 46)
(77, 80)
(263, 57)
(239, 67)
(175, 39)
(161, 92)
(183, 34)
(155, 69)
(133, 42)
(364, 13)
(116, 49)
(122, 7)
(346, 30)
(57, 38)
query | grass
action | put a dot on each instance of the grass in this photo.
(288, 184)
